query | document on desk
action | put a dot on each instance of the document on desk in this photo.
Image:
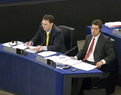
(79, 64)
(84, 66)
(113, 24)
(22, 46)
(31, 49)
(65, 60)
(8, 44)
(46, 53)
(53, 58)
(60, 59)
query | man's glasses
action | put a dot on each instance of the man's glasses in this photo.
(94, 28)
(44, 24)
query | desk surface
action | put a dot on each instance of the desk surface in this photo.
(108, 32)
(25, 75)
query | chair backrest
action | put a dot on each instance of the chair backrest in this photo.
(69, 36)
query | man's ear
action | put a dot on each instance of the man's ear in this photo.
(52, 24)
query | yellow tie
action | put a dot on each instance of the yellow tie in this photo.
(47, 39)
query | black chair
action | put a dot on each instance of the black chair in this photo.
(70, 40)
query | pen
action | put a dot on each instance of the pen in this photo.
(26, 48)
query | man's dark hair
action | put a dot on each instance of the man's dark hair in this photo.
(48, 17)
(98, 22)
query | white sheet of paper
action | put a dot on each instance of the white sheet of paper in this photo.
(113, 24)
(84, 66)
(65, 60)
(8, 45)
(46, 53)
(20, 46)
(70, 62)
(53, 58)
(31, 49)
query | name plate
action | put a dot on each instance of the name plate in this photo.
(46, 61)
(9, 49)
(15, 51)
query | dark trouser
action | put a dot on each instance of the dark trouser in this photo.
(108, 83)
(76, 86)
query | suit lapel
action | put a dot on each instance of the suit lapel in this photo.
(44, 38)
(50, 36)
(89, 41)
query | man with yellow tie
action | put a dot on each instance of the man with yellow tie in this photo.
(49, 36)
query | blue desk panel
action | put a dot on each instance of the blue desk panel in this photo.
(25, 75)
(108, 32)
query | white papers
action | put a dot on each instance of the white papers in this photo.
(62, 59)
(8, 44)
(59, 59)
(84, 66)
(46, 53)
(22, 46)
(65, 60)
(30, 49)
(54, 58)
(113, 24)
(71, 62)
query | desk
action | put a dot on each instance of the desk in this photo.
(25, 75)
(108, 32)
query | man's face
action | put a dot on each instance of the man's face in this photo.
(95, 30)
(46, 25)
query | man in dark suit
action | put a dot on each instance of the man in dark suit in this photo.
(53, 42)
(103, 51)
(98, 49)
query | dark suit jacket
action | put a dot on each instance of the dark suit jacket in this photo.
(103, 50)
(56, 41)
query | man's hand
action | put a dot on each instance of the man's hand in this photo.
(39, 48)
(73, 57)
(99, 64)
(28, 43)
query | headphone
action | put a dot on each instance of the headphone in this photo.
(13, 43)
